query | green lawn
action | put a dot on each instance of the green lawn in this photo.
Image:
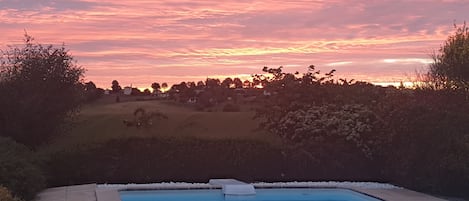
(103, 120)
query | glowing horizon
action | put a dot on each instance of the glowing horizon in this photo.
(139, 42)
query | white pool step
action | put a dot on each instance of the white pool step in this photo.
(233, 186)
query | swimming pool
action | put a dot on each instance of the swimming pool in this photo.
(276, 194)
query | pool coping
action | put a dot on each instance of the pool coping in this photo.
(110, 192)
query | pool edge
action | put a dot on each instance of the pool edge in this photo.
(110, 192)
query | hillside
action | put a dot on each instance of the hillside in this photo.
(103, 120)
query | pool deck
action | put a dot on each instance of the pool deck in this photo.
(93, 192)
(69, 193)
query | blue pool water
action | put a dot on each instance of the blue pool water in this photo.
(283, 194)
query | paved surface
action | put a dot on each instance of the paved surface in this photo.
(398, 194)
(91, 192)
(69, 193)
(233, 186)
(107, 195)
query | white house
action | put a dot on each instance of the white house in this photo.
(127, 90)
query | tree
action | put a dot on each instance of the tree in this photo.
(237, 83)
(164, 86)
(136, 92)
(20, 170)
(44, 87)
(200, 85)
(212, 83)
(155, 86)
(92, 93)
(191, 85)
(89, 86)
(116, 88)
(227, 82)
(147, 92)
(450, 67)
(246, 84)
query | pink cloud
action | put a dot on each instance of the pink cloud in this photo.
(140, 41)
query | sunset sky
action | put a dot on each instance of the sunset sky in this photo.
(143, 41)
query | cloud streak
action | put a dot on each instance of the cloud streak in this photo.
(138, 42)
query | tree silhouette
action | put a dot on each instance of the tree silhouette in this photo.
(212, 83)
(91, 92)
(237, 83)
(200, 85)
(155, 86)
(89, 86)
(247, 84)
(450, 67)
(116, 88)
(227, 82)
(164, 86)
(44, 89)
(191, 85)
(146, 92)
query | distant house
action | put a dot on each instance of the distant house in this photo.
(160, 94)
(163, 95)
(107, 92)
(127, 90)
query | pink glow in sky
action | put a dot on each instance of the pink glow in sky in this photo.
(143, 41)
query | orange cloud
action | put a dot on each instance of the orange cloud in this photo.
(141, 42)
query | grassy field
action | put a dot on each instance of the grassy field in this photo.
(103, 120)
(190, 146)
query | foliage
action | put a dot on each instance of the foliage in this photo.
(429, 149)
(92, 93)
(333, 124)
(212, 83)
(237, 83)
(164, 85)
(116, 88)
(450, 67)
(143, 118)
(5, 195)
(146, 92)
(44, 89)
(415, 138)
(144, 160)
(155, 86)
(19, 171)
(227, 82)
(136, 92)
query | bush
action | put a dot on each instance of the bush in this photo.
(348, 124)
(429, 148)
(5, 195)
(18, 170)
(44, 87)
(144, 160)
(450, 67)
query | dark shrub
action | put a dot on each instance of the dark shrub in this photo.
(5, 195)
(41, 89)
(18, 170)
(429, 149)
(144, 160)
